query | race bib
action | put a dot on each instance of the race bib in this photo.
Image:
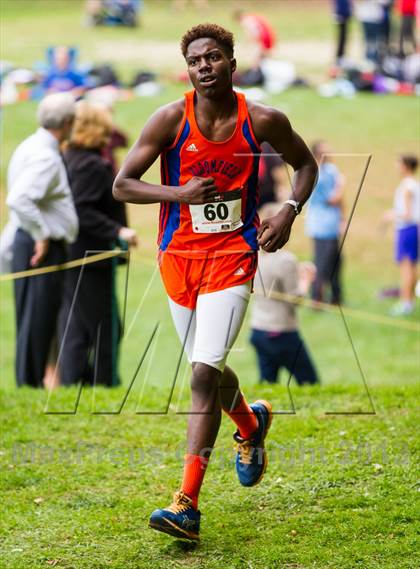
(224, 214)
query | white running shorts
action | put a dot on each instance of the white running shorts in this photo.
(209, 331)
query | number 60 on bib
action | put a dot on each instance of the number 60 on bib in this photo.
(225, 214)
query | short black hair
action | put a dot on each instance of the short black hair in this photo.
(410, 161)
(223, 37)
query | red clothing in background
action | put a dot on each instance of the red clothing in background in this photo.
(261, 29)
(407, 7)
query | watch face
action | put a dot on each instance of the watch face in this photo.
(295, 205)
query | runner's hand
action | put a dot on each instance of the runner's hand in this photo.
(197, 191)
(274, 232)
(40, 252)
(129, 235)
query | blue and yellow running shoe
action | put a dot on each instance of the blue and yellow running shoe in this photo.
(251, 460)
(179, 519)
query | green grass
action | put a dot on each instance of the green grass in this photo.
(341, 490)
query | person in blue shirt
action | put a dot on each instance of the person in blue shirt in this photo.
(62, 76)
(323, 224)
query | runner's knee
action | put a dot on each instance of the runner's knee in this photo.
(204, 378)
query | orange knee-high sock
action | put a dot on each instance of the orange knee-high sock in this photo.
(194, 471)
(244, 418)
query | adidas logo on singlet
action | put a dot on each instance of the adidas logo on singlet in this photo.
(239, 272)
(192, 148)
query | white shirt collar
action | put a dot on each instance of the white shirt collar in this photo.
(48, 138)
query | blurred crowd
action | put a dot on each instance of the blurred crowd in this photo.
(388, 26)
(391, 53)
(390, 62)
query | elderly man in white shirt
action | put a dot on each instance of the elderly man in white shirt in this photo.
(45, 218)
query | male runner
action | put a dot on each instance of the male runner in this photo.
(209, 233)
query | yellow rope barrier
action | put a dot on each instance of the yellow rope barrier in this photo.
(63, 266)
(298, 300)
(353, 312)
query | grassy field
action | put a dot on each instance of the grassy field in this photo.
(341, 490)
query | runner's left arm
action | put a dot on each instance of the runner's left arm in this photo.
(274, 127)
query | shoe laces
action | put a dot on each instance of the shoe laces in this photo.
(245, 449)
(181, 502)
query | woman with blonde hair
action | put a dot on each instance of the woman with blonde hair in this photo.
(89, 321)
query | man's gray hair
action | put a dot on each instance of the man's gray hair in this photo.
(54, 110)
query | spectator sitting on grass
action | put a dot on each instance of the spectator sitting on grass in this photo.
(113, 12)
(62, 76)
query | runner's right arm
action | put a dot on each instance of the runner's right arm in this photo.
(159, 133)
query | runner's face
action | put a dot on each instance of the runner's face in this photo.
(209, 68)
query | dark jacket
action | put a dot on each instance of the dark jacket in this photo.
(100, 216)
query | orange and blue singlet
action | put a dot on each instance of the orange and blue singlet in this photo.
(227, 228)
